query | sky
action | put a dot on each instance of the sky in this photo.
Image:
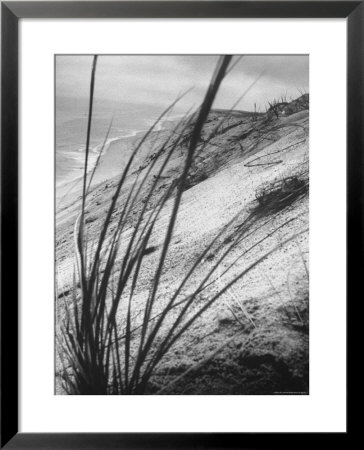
(157, 80)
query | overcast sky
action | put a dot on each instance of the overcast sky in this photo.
(157, 80)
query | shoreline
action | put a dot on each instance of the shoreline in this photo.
(115, 155)
(78, 155)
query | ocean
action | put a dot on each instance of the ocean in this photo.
(71, 129)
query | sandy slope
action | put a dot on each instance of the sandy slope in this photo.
(266, 310)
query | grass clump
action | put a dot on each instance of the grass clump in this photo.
(278, 195)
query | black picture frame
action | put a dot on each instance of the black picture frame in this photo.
(11, 13)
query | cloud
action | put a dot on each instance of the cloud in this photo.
(158, 79)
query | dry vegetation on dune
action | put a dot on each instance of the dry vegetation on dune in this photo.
(188, 272)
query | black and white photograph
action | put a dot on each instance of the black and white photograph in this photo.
(181, 224)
